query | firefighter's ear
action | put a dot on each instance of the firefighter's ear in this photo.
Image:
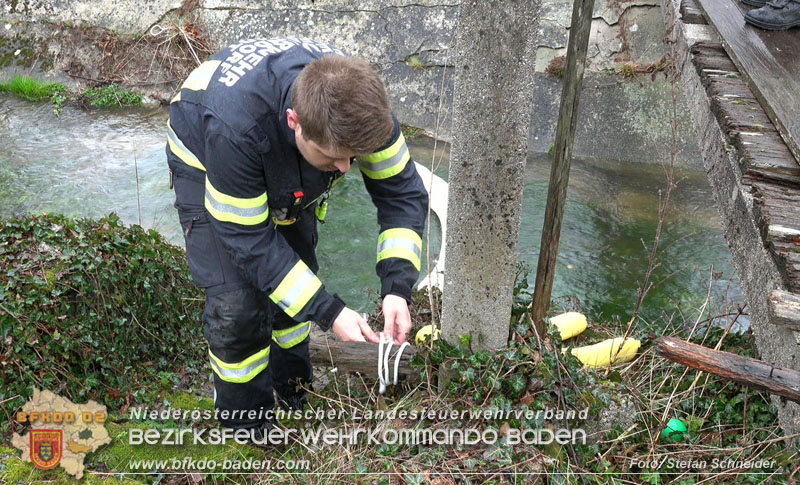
(291, 116)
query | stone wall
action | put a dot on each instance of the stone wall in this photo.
(409, 42)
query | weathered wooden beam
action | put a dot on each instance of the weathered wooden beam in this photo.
(358, 356)
(744, 370)
(691, 13)
(784, 309)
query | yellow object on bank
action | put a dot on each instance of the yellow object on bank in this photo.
(569, 324)
(427, 333)
(600, 355)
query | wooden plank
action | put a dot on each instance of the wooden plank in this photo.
(696, 33)
(777, 209)
(784, 309)
(768, 61)
(358, 356)
(744, 370)
(767, 158)
(780, 211)
(691, 13)
(789, 265)
(742, 118)
(767, 166)
(577, 47)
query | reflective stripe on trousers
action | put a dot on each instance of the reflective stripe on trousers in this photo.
(243, 371)
(289, 337)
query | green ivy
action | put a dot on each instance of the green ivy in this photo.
(112, 95)
(91, 309)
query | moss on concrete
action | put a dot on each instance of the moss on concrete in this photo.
(16, 50)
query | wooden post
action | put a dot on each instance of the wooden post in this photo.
(744, 370)
(559, 173)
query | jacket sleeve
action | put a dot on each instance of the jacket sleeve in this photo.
(236, 199)
(396, 188)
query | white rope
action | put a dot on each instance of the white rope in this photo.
(157, 30)
(383, 361)
(382, 387)
(397, 360)
(389, 343)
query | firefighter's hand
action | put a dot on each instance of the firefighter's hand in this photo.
(349, 326)
(397, 318)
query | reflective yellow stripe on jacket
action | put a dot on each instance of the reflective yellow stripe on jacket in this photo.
(400, 243)
(244, 211)
(289, 337)
(199, 79)
(385, 163)
(296, 289)
(179, 149)
(243, 371)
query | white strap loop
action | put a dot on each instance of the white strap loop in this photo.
(383, 361)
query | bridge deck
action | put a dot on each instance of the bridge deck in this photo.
(768, 61)
(743, 91)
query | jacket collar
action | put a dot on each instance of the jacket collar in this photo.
(286, 133)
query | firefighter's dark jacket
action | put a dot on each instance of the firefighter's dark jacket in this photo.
(228, 127)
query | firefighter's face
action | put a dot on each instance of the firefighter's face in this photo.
(325, 159)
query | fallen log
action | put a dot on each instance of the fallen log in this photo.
(744, 370)
(358, 356)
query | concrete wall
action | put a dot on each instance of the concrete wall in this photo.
(410, 42)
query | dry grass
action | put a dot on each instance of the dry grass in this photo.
(164, 55)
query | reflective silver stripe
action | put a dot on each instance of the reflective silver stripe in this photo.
(238, 373)
(297, 289)
(400, 243)
(232, 209)
(177, 141)
(389, 162)
(286, 339)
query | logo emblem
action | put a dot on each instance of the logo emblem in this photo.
(46, 447)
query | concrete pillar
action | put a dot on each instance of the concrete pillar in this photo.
(492, 102)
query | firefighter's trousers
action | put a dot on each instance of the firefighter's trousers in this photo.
(253, 345)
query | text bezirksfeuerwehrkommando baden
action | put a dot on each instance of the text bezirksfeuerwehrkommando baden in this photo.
(352, 436)
(331, 434)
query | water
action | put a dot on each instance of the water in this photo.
(610, 223)
(84, 164)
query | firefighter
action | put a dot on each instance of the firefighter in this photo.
(258, 136)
